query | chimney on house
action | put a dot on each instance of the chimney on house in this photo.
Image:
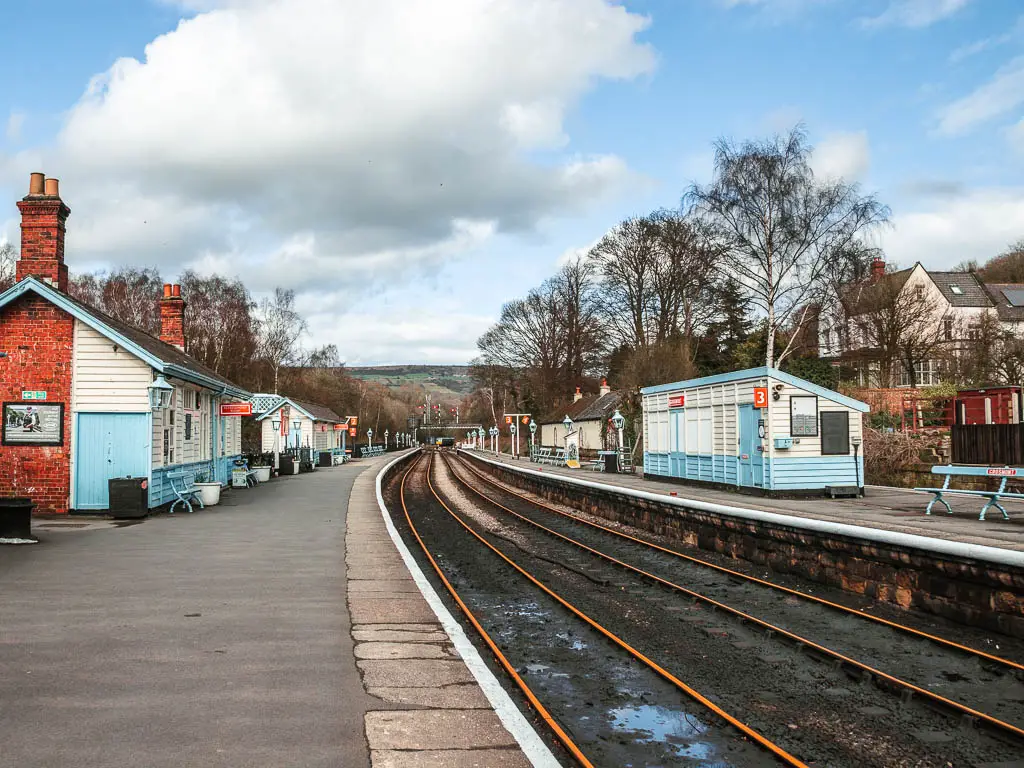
(43, 214)
(578, 396)
(605, 389)
(172, 316)
(877, 268)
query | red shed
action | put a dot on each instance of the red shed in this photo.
(992, 405)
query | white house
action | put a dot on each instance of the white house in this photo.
(290, 423)
(589, 414)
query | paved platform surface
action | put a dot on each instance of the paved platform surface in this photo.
(891, 509)
(223, 638)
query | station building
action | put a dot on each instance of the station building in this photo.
(589, 414)
(87, 398)
(760, 429)
(287, 423)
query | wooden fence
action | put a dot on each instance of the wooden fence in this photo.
(993, 444)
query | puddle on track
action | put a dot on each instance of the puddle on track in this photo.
(679, 732)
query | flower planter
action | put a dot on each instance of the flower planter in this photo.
(262, 473)
(209, 493)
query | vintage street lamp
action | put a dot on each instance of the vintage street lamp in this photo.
(619, 421)
(386, 433)
(567, 423)
(533, 438)
(160, 394)
(369, 436)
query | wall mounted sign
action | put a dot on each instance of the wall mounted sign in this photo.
(803, 416)
(236, 409)
(36, 424)
(677, 401)
(339, 427)
(33, 394)
(760, 397)
(352, 432)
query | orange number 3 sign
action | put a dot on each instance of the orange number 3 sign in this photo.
(760, 397)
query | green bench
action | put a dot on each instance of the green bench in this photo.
(953, 470)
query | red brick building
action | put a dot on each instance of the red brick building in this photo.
(80, 391)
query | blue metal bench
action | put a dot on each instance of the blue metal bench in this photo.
(184, 487)
(951, 470)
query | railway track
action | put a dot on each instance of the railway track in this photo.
(749, 679)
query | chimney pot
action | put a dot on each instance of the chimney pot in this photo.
(52, 188)
(175, 290)
(167, 290)
(36, 183)
(172, 316)
(877, 268)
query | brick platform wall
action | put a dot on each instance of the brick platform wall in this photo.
(964, 590)
(38, 338)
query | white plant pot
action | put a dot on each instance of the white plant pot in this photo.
(209, 493)
(262, 473)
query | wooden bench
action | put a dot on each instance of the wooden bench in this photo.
(184, 487)
(953, 470)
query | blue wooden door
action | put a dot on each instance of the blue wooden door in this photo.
(751, 459)
(108, 445)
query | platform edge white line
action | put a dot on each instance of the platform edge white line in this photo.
(515, 722)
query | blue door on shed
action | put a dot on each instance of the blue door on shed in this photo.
(108, 445)
(751, 459)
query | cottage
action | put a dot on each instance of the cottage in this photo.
(760, 429)
(288, 423)
(589, 414)
(87, 398)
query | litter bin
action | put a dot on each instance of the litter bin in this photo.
(611, 461)
(16, 518)
(129, 497)
(325, 459)
(287, 465)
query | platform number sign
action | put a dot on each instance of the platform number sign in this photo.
(760, 397)
(508, 419)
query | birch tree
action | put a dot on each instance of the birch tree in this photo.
(778, 227)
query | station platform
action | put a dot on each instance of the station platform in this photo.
(281, 627)
(881, 508)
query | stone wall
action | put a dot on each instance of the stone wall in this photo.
(964, 590)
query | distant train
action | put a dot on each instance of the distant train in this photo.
(444, 442)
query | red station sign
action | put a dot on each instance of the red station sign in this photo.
(236, 409)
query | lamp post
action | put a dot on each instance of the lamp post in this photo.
(493, 432)
(567, 423)
(513, 428)
(533, 438)
(369, 436)
(619, 421)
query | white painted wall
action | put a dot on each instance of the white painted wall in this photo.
(105, 380)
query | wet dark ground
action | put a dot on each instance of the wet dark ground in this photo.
(623, 714)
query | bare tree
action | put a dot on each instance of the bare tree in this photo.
(579, 318)
(779, 228)
(8, 265)
(220, 327)
(280, 327)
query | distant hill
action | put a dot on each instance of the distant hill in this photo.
(441, 381)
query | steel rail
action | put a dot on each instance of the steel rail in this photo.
(763, 741)
(541, 710)
(754, 579)
(962, 709)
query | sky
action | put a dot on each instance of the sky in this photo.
(407, 166)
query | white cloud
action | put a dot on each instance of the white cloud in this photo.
(915, 14)
(570, 255)
(438, 337)
(987, 43)
(374, 132)
(976, 225)
(842, 155)
(15, 123)
(1002, 94)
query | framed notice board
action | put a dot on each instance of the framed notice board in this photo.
(803, 416)
(33, 423)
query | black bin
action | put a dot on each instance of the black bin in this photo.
(287, 465)
(16, 518)
(611, 462)
(129, 497)
(325, 459)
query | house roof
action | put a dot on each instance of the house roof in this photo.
(314, 411)
(1002, 295)
(164, 357)
(864, 295)
(961, 289)
(763, 372)
(589, 408)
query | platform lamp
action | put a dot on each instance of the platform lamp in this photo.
(386, 433)
(619, 422)
(567, 423)
(369, 436)
(533, 438)
(160, 394)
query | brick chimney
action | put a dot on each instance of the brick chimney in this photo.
(877, 268)
(605, 389)
(172, 316)
(578, 396)
(43, 214)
